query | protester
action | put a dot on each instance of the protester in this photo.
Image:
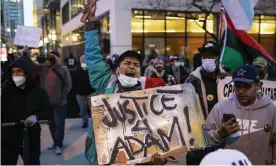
(22, 99)
(34, 58)
(206, 76)
(177, 70)
(246, 121)
(58, 84)
(83, 90)
(170, 64)
(114, 60)
(26, 56)
(204, 80)
(261, 64)
(149, 58)
(225, 157)
(127, 76)
(197, 60)
(5, 65)
(149, 70)
(160, 72)
(71, 62)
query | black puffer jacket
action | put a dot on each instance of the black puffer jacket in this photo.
(18, 104)
(82, 83)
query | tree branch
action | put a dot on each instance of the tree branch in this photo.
(201, 8)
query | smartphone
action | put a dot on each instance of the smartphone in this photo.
(227, 117)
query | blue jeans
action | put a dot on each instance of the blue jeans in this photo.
(57, 124)
(82, 101)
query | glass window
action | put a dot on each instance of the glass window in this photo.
(175, 45)
(137, 44)
(65, 13)
(105, 25)
(195, 24)
(78, 35)
(268, 24)
(66, 39)
(76, 7)
(269, 45)
(255, 26)
(154, 23)
(175, 24)
(137, 23)
(157, 43)
(193, 45)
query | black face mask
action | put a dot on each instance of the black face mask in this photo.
(52, 60)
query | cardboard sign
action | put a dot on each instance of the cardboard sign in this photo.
(225, 90)
(27, 36)
(130, 127)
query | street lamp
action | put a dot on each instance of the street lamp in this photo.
(8, 29)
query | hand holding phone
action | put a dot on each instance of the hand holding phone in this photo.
(229, 126)
(227, 117)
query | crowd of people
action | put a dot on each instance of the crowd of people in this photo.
(35, 88)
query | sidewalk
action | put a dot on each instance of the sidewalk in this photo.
(74, 146)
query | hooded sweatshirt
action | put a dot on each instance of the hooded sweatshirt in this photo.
(257, 128)
(57, 87)
(19, 103)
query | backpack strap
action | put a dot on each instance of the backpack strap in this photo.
(59, 76)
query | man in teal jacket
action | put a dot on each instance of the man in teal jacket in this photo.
(127, 76)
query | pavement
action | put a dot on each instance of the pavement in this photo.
(74, 146)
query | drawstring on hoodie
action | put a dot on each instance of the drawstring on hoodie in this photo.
(250, 119)
(242, 124)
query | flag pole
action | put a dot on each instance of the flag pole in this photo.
(222, 40)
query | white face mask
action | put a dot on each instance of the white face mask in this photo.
(126, 81)
(83, 66)
(177, 64)
(19, 80)
(209, 65)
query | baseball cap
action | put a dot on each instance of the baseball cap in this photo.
(209, 46)
(173, 58)
(260, 61)
(130, 53)
(225, 157)
(246, 74)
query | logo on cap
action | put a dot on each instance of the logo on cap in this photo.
(209, 45)
(241, 72)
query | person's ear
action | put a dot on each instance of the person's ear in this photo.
(117, 71)
(259, 86)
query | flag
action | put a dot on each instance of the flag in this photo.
(240, 48)
(241, 12)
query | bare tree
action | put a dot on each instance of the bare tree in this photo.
(207, 7)
(204, 6)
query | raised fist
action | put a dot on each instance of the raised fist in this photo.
(89, 11)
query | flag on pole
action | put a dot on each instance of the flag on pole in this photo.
(241, 12)
(240, 48)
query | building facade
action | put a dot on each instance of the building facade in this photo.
(51, 27)
(13, 15)
(38, 12)
(140, 26)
